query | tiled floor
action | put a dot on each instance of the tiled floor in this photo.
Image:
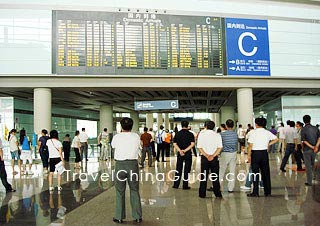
(92, 202)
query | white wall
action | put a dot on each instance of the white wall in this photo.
(294, 30)
(25, 41)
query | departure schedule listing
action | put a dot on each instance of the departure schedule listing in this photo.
(137, 43)
(247, 45)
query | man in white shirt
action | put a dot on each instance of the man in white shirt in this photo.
(281, 132)
(126, 145)
(259, 141)
(160, 143)
(209, 145)
(241, 138)
(103, 140)
(3, 173)
(291, 145)
(84, 144)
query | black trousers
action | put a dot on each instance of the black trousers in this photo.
(153, 148)
(260, 163)
(77, 153)
(3, 176)
(160, 149)
(66, 149)
(213, 166)
(187, 160)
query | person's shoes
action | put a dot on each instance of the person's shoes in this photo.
(252, 195)
(14, 172)
(283, 170)
(301, 170)
(267, 195)
(138, 220)
(210, 189)
(245, 188)
(12, 190)
(261, 187)
(230, 191)
(59, 188)
(30, 172)
(175, 187)
(51, 188)
(186, 188)
(87, 160)
(219, 196)
(117, 221)
(202, 196)
(307, 184)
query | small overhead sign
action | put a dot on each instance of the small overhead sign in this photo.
(156, 105)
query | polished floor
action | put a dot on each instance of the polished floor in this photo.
(88, 198)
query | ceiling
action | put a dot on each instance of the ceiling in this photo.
(190, 100)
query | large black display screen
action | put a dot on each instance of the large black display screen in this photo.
(130, 43)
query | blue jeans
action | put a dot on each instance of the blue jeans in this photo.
(288, 152)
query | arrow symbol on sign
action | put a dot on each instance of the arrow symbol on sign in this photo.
(232, 61)
(232, 68)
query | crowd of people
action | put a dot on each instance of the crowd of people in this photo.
(217, 149)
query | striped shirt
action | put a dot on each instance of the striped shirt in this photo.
(229, 141)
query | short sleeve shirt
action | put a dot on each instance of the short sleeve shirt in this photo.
(145, 138)
(13, 143)
(53, 147)
(260, 139)
(310, 134)
(183, 139)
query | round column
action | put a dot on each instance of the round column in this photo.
(149, 120)
(41, 110)
(106, 118)
(135, 117)
(159, 120)
(166, 121)
(216, 118)
(245, 106)
(226, 112)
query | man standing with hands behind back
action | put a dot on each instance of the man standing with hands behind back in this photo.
(126, 145)
(183, 142)
(259, 141)
(84, 144)
(209, 145)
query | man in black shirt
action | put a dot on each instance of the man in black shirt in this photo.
(183, 142)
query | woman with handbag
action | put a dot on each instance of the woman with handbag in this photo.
(55, 157)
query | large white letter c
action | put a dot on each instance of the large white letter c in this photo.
(240, 40)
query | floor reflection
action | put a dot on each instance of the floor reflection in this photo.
(292, 203)
(33, 204)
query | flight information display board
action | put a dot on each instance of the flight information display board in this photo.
(137, 43)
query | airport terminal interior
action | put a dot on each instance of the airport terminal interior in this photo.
(68, 65)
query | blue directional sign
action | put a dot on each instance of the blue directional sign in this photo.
(247, 43)
(156, 105)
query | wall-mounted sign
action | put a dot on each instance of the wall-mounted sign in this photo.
(156, 105)
(247, 47)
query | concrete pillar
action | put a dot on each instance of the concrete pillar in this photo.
(106, 118)
(135, 117)
(216, 118)
(166, 121)
(149, 120)
(226, 112)
(42, 110)
(159, 120)
(245, 106)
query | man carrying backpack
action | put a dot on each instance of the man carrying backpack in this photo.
(160, 145)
